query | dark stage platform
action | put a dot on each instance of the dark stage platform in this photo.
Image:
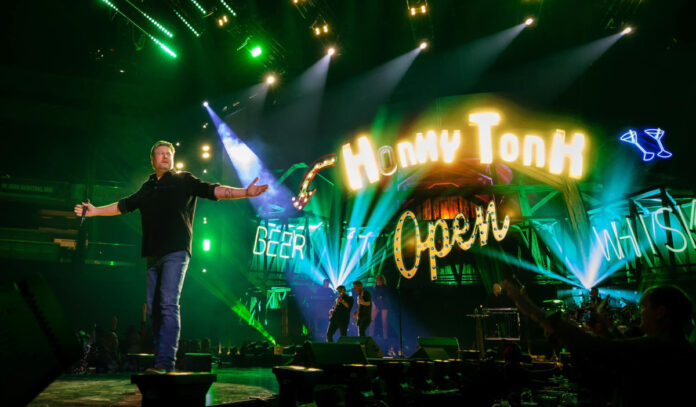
(115, 389)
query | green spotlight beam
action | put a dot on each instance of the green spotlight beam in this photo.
(155, 40)
(198, 6)
(152, 20)
(227, 6)
(187, 24)
(236, 306)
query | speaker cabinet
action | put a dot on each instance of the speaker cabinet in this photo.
(37, 342)
(372, 350)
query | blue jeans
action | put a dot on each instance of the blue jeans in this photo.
(165, 278)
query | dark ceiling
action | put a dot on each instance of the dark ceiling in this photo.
(67, 107)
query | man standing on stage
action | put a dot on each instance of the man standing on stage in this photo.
(340, 314)
(167, 203)
(363, 315)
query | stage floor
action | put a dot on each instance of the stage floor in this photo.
(115, 389)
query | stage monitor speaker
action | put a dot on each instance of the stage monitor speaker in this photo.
(328, 354)
(437, 348)
(37, 343)
(372, 350)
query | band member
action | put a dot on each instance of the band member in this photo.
(363, 316)
(167, 202)
(497, 299)
(382, 305)
(322, 299)
(340, 314)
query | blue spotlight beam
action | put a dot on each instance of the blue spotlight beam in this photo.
(248, 166)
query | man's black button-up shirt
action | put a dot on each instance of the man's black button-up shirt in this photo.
(167, 207)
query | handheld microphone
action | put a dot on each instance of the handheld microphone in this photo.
(84, 211)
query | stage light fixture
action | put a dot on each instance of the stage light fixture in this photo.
(413, 11)
(152, 20)
(331, 51)
(179, 165)
(204, 270)
(164, 47)
(270, 79)
(256, 51)
(178, 144)
(155, 40)
(529, 22)
(206, 245)
(206, 155)
(325, 28)
(423, 45)
(205, 171)
(423, 9)
(206, 148)
(626, 30)
(205, 104)
(187, 24)
(317, 31)
(227, 6)
(199, 7)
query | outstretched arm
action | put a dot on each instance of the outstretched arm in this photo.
(225, 192)
(108, 210)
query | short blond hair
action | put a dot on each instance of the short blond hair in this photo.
(162, 143)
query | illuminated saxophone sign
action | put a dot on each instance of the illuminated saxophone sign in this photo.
(460, 226)
(430, 147)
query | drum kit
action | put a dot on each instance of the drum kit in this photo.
(503, 324)
(618, 312)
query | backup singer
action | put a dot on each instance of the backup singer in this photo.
(363, 316)
(167, 203)
(382, 304)
(340, 314)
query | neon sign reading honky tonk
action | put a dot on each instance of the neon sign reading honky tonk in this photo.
(430, 146)
(460, 226)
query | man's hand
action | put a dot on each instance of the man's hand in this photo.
(524, 304)
(255, 190)
(108, 210)
(90, 209)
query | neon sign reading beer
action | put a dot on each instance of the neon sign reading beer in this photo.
(460, 226)
(430, 147)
